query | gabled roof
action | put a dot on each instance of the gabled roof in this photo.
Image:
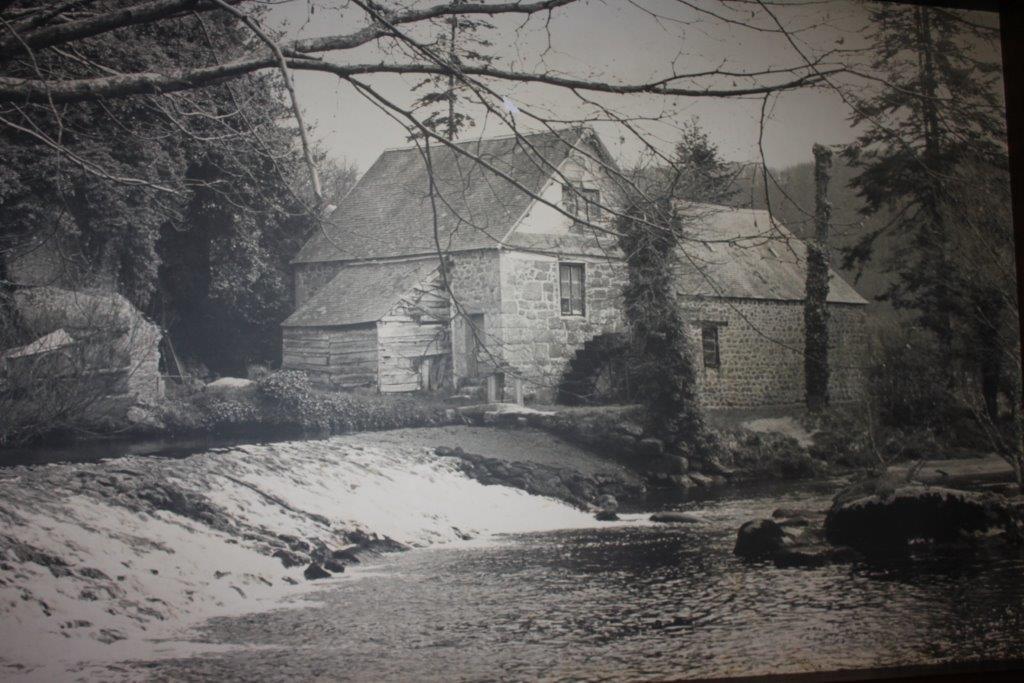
(388, 213)
(742, 253)
(361, 293)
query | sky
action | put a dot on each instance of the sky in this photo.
(618, 41)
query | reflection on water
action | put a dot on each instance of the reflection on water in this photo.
(628, 602)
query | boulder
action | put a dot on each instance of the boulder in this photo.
(811, 556)
(606, 516)
(759, 539)
(345, 555)
(295, 543)
(674, 517)
(315, 571)
(334, 566)
(891, 519)
(289, 558)
(229, 384)
(711, 465)
(700, 479)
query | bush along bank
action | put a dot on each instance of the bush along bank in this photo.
(835, 444)
(286, 402)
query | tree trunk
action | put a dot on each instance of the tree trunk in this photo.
(937, 246)
(816, 299)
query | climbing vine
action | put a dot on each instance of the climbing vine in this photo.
(816, 306)
(663, 371)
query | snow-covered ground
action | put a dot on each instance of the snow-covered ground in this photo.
(114, 561)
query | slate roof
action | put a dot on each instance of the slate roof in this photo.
(388, 213)
(745, 255)
(361, 293)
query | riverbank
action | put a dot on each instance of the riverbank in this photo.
(113, 560)
(105, 561)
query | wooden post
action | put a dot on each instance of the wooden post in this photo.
(518, 386)
(492, 388)
(816, 299)
(425, 370)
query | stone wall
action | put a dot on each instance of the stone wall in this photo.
(538, 341)
(475, 280)
(761, 351)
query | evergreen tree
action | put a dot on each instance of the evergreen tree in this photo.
(458, 44)
(937, 115)
(698, 173)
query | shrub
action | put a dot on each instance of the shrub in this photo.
(908, 383)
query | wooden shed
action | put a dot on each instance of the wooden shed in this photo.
(382, 325)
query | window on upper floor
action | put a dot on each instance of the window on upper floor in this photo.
(571, 287)
(582, 202)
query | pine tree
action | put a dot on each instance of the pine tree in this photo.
(937, 114)
(459, 44)
(698, 173)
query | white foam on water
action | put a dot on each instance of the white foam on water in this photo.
(168, 573)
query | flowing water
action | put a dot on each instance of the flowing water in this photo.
(626, 601)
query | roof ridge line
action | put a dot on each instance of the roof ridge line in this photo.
(405, 148)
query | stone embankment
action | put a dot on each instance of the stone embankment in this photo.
(616, 432)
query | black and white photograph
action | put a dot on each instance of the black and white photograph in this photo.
(510, 340)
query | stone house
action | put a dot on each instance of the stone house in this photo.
(504, 267)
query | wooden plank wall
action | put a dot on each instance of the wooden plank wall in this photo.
(340, 357)
(415, 330)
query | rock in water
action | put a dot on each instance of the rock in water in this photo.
(289, 558)
(890, 521)
(315, 571)
(606, 516)
(812, 556)
(759, 539)
(672, 517)
(334, 566)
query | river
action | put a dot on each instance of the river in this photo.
(626, 601)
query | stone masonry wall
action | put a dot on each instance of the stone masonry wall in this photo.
(538, 340)
(474, 278)
(761, 352)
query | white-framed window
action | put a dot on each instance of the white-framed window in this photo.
(582, 202)
(572, 288)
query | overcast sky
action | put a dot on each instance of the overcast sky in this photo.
(620, 41)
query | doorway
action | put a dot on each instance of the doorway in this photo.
(474, 328)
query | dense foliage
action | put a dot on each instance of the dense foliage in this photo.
(932, 155)
(189, 204)
(286, 402)
(662, 366)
